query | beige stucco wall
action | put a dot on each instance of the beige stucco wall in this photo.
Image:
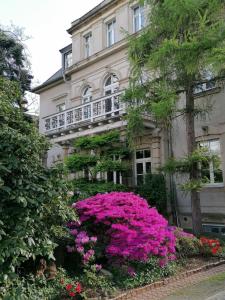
(212, 197)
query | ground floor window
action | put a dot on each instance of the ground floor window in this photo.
(212, 171)
(142, 165)
(115, 176)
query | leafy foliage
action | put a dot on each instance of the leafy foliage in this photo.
(13, 61)
(154, 191)
(183, 41)
(96, 154)
(29, 193)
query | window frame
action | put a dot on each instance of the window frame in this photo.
(212, 182)
(141, 18)
(58, 107)
(87, 44)
(144, 160)
(113, 32)
(68, 62)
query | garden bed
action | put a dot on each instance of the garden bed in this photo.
(196, 265)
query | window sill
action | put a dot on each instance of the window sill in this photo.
(213, 185)
(207, 92)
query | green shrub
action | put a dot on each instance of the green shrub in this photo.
(187, 245)
(144, 273)
(84, 188)
(154, 191)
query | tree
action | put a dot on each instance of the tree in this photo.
(29, 193)
(184, 40)
(13, 59)
(93, 158)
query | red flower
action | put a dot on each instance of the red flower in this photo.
(78, 288)
(72, 294)
(214, 250)
(69, 287)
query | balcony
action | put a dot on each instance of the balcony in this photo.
(106, 108)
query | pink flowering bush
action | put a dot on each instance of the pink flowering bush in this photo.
(122, 226)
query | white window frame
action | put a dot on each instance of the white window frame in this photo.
(143, 161)
(61, 107)
(68, 59)
(112, 23)
(115, 173)
(138, 12)
(87, 45)
(113, 87)
(87, 95)
(206, 144)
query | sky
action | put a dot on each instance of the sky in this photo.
(45, 22)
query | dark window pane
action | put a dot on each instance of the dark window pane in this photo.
(140, 168)
(148, 167)
(110, 176)
(215, 230)
(218, 176)
(139, 154)
(140, 179)
(205, 174)
(147, 153)
(118, 177)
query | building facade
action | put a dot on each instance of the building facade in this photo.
(83, 99)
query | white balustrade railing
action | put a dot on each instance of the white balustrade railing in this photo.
(105, 107)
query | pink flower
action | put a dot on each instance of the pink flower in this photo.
(131, 271)
(93, 239)
(73, 232)
(80, 249)
(98, 267)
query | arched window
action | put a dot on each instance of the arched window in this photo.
(111, 85)
(87, 95)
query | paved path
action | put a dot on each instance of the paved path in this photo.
(199, 286)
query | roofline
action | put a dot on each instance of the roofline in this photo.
(66, 49)
(42, 87)
(75, 24)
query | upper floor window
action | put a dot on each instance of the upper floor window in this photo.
(212, 170)
(87, 95)
(111, 85)
(111, 33)
(61, 107)
(138, 18)
(87, 45)
(68, 59)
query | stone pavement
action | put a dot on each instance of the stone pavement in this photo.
(171, 288)
(162, 293)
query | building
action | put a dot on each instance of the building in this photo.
(82, 98)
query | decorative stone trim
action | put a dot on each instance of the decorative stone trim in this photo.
(127, 295)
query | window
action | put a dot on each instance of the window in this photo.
(212, 171)
(111, 33)
(208, 85)
(111, 87)
(142, 165)
(87, 95)
(61, 107)
(115, 176)
(138, 18)
(86, 98)
(87, 45)
(68, 59)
